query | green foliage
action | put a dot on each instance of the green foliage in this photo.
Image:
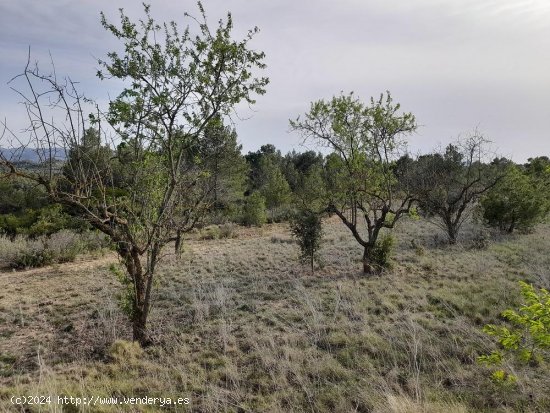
(528, 340)
(518, 201)
(306, 226)
(382, 251)
(447, 184)
(413, 214)
(254, 211)
(224, 166)
(360, 180)
(126, 297)
(274, 187)
(311, 190)
(26, 210)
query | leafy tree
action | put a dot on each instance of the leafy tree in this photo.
(306, 226)
(310, 192)
(25, 210)
(254, 210)
(539, 167)
(516, 202)
(256, 163)
(177, 82)
(274, 187)
(295, 165)
(448, 184)
(528, 340)
(361, 185)
(226, 166)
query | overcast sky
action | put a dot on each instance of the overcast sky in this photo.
(456, 65)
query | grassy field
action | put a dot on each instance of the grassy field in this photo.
(240, 326)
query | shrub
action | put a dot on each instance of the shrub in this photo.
(63, 246)
(33, 254)
(227, 230)
(211, 232)
(254, 212)
(381, 253)
(529, 339)
(306, 226)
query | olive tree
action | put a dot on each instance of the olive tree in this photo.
(362, 188)
(176, 82)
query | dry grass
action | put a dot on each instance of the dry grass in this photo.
(241, 326)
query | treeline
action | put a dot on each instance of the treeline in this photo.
(267, 186)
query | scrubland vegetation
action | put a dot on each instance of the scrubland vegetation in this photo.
(240, 325)
(155, 259)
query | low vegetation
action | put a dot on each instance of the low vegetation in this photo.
(62, 246)
(157, 260)
(240, 325)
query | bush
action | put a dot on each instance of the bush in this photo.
(254, 213)
(382, 251)
(33, 254)
(63, 246)
(228, 230)
(306, 226)
(528, 340)
(211, 232)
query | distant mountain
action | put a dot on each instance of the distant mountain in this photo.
(32, 155)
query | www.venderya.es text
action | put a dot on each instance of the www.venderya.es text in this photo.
(99, 400)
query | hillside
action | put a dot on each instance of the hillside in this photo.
(240, 326)
(31, 155)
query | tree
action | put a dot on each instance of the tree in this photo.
(306, 226)
(216, 177)
(518, 201)
(175, 87)
(256, 163)
(448, 184)
(226, 166)
(274, 187)
(296, 165)
(366, 140)
(254, 210)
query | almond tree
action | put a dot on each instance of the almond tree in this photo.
(361, 185)
(176, 83)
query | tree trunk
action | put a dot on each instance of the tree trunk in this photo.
(451, 233)
(141, 299)
(512, 226)
(368, 265)
(139, 325)
(177, 246)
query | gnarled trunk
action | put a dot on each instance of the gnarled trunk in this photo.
(177, 245)
(142, 281)
(451, 232)
(369, 266)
